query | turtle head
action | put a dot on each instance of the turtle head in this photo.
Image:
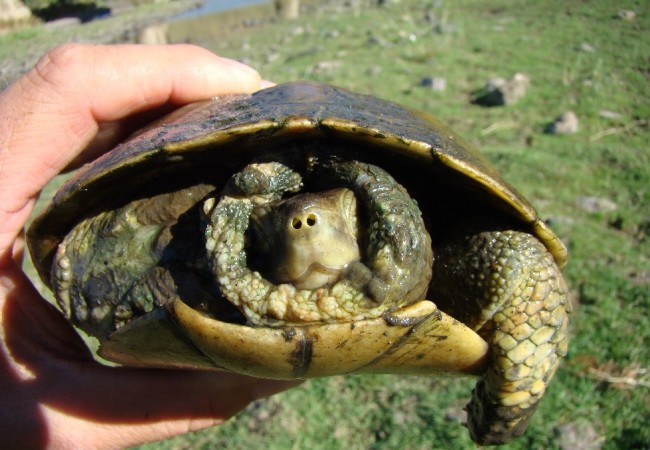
(309, 239)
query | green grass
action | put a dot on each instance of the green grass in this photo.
(609, 269)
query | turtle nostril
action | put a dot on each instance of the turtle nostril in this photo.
(296, 223)
(311, 220)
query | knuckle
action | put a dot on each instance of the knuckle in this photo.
(58, 65)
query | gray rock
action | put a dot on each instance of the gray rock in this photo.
(596, 204)
(607, 114)
(627, 14)
(407, 36)
(434, 83)
(567, 123)
(500, 92)
(587, 48)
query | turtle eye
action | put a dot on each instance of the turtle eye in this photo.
(296, 223)
(311, 220)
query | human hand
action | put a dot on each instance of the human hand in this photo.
(78, 101)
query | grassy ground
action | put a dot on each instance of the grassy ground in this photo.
(601, 394)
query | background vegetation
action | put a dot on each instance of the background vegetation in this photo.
(593, 187)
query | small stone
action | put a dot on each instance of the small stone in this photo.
(607, 114)
(499, 91)
(596, 204)
(332, 34)
(588, 48)
(435, 83)
(627, 14)
(567, 123)
(405, 35)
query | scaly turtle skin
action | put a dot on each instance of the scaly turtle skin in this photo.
(307, 231)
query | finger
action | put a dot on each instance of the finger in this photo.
(50, 115)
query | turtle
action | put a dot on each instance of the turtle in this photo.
(306, 231)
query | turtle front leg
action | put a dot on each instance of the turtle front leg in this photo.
(506, 286)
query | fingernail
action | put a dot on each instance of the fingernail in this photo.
(266, 84)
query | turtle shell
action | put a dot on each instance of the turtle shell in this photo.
(227, 130)
(478, 228)
(215, 138)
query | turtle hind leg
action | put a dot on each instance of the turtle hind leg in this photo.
(506, 286)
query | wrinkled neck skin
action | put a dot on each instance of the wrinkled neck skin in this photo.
(338, 240)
